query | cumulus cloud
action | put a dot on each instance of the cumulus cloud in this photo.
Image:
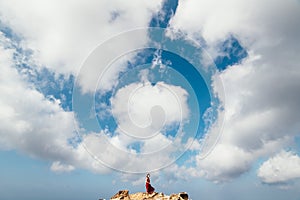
(281, 168)
(62, 34)
(224, 163)
(36, 125)
(262, 92)
(22, 106)
(252, 19)
(258, 119)
(39, 127)
(142, 109)
(144, 113)
(58, 167)
(115, 155)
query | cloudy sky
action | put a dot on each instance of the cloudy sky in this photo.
(203, 94)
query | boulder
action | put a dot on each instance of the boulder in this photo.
(122, 194)
(179, 196)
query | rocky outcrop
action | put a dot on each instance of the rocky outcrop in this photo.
(124, 195)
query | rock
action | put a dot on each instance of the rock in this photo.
(124, 195)
(184, 195)
(180, 196)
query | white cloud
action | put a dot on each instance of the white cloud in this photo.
(282, 168)
(39, 127)
(262, 93)
(255, 20)
(35, 125)
(113, 154)
(102, 67)
(62, 34)
(258, 119)
(58, 167)
(262, 27)
(224, 163)
(142, 110)
(157, 143)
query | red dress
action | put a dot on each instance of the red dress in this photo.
(149, 188)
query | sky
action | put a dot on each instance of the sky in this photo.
(202, 94)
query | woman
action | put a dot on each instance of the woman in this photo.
(149, 188)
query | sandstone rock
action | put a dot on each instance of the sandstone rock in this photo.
(180, 196)
(124, 195)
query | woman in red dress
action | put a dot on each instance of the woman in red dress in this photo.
(149, 188)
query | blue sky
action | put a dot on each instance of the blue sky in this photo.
(202, 94)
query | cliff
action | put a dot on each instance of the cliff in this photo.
(124, 195)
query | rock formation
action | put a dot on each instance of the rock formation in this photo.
(124, 195)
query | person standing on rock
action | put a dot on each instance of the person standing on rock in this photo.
(149, 188)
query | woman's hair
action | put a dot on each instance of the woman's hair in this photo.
(148, 175)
